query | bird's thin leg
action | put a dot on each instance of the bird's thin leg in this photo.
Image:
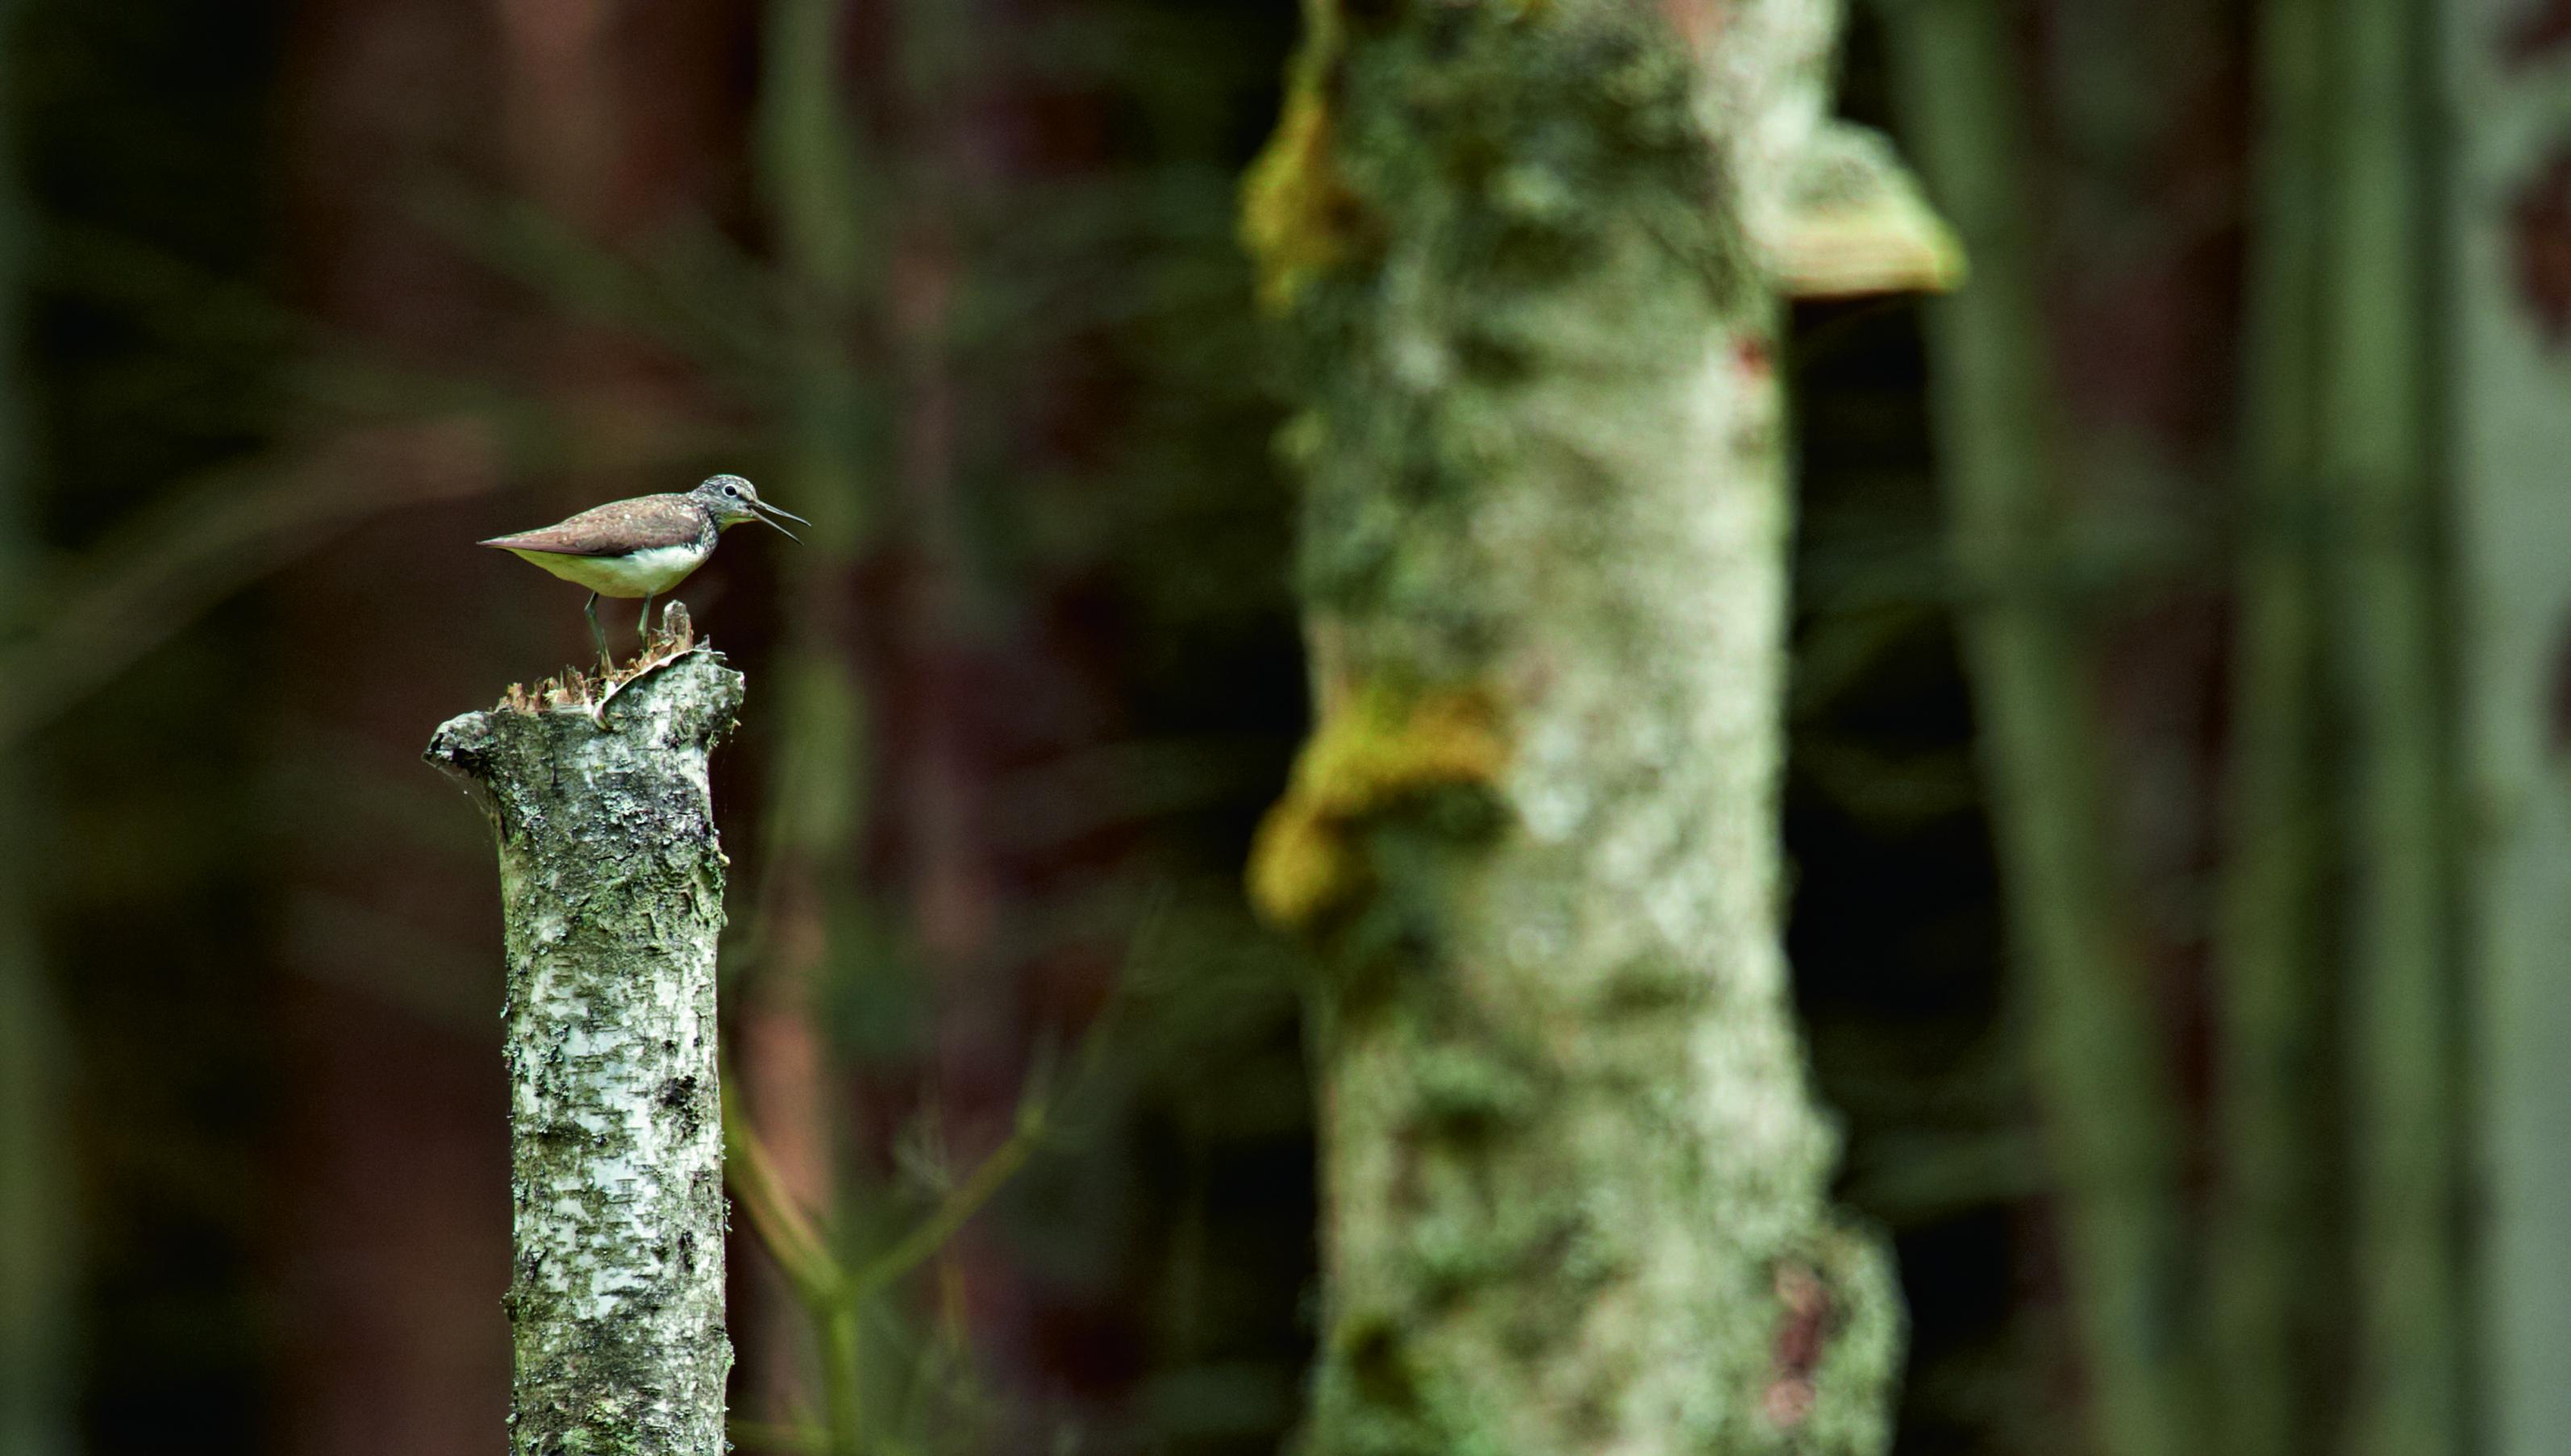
(591, 612)
(644, 626)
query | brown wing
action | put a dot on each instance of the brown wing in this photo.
(614, 529)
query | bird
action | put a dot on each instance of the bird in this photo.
(644, 546)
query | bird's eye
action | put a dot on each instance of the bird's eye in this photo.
(732, 490)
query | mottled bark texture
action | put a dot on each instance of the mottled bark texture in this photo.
(611, 897)
(1573, 1178)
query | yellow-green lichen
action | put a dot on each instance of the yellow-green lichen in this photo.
(1298, 216)
(1377, 751)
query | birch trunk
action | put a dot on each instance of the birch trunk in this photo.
(1573, 1176)
(612, 887)
(2507, 328)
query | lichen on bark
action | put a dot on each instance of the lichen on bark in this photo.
(1574, 1180)
(1376, 751)
(611, 898)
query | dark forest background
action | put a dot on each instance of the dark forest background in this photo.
(311, 297)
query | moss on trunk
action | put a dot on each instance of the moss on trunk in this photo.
(1574, 1177)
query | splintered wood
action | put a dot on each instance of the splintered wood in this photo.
(577, 691)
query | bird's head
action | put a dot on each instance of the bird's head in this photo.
(732, 500)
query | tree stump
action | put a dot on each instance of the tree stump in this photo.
(612, 899)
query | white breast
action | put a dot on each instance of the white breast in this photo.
(637, 574)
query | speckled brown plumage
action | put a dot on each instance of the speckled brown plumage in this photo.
(642, 547)
(617, 528)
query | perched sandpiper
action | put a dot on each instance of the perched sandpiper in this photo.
(645, 546)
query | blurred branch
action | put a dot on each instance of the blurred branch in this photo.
(170, 564)
(705, 299)
(1889, 788)
(335, 376)
(959, 1205)
(783, 1227)
(833, 1297)
(390, 438)
(1916, 1179)
(798, 1245)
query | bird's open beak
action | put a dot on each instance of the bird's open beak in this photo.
(770, 514)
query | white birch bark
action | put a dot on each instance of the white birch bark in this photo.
(611, 898)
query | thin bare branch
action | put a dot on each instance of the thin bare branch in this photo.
(959, 1205)
(158, 575)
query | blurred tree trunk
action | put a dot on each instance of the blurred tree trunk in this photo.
(946, 162)
(951, 892)
(36, 1268)
(2341, 640)
(1574, 1182)
(2271, 1278)
(811, 174)
(2097, 1042)
(863, 165)
(2337, 644)
(2505, 329)
(2380, 437)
